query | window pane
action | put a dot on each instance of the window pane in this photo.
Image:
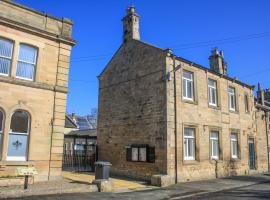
(17, 145)
(135, 154)
(189, 89)
(142, 154)
(189, 132)
(211, 83)
(214, 135)
(213, 91)
(186, 147)
(191, 148)
(184, 88)
(4, 65)
(26, 62)
(233, 136)
(27, 54)
(25, 70)
(215, 148)
(6, 47)
(187, 75)
(19, 122)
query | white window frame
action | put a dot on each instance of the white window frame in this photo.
(232, 94)
(22, 61)
(188, 80)
(186, 145)
(212, 140)
(9, 58)
(234, 141)
(210, 89)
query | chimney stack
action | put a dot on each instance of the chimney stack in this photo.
(217, 62)
(131, 23)
(260, 95)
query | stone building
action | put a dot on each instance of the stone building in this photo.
(34, 65)
(263, 115)
(170, 119)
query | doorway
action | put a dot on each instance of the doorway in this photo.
(252, 164)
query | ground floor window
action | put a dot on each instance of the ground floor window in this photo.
(18, 136)
(141, 153)
(234, 145)
(214, 145)
(189, 144)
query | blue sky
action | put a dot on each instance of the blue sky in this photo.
(170, 23)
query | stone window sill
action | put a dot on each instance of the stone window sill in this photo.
(191, 162)
(189, 101)
(234, 111)
(214, 107)
(15, 163)
(215, 161)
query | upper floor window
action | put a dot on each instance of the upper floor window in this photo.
(189, 144)
(212, 92)
(6, 49)
(188, 85)
(18, 136)
(26, 62)
(232, 98)
(246, 103)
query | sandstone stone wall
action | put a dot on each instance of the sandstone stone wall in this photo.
(204, 118)
(136, 108)
(45, 97)
(132, 108)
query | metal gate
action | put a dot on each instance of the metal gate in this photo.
(80, 160)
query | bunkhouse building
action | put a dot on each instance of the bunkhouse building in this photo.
(165, 118)
(34, 64)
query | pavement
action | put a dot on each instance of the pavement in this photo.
(120, 184)
(71, 183)
(241, 187)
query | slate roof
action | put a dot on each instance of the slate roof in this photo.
(69, 123)
(83, 133)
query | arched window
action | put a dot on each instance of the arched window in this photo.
(1, 130)
(18, 136)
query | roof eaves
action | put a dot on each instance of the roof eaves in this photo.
(213, 72)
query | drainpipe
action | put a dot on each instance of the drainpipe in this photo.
(267, 114)
(175, 119)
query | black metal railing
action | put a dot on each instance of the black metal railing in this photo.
(79, 160)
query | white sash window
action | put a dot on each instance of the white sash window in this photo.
(232, 98)
(188, 85)
(26, 62)
(234, 145)
(212, 92)
(189, 144)
(6, 49)
(214, 144)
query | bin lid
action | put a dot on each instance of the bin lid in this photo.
(103, 163)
